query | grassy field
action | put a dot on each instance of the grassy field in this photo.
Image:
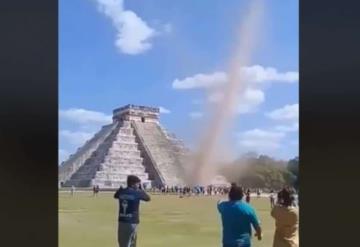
(166, 221)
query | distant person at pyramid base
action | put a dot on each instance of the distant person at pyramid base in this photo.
(129, 200)
(72, 190)
(248, 196)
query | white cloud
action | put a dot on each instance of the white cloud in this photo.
(286, 113)
(133, 34)
(255, 74)
(85, 117)
(76, 138)
(261, 141)
(249, 100)
(200, 81)
(259, 74)
(163, 110)
(288, 128)
(251, 96)
(63, 155)
(196, 115)
(85, 124)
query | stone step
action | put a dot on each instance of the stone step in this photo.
(124, 153)
(120, 159)
(126, 124)
(125, 140)
(116, 157)
(121, 165)
(124, 170)
(124, 137)
(124, 147)
(121, 171)
(85, 173)
(126, 131)
(118, 176)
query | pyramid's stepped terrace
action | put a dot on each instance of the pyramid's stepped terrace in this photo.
(133, 144)
(123, 159)
(75, 161)
(83, 176)
(162, 151)
(178, 144)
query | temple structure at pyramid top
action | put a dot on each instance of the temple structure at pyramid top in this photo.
(134, 143)
(137, 114)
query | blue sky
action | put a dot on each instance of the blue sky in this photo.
(169, 53)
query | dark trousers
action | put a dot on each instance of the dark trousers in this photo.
(127, 234)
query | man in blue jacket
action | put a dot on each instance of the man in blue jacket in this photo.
(129, 200)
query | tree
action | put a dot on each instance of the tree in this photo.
(293, 166)
(259, 172)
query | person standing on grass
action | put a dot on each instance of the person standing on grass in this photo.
(72, 190)
(248, 196)
(97, 189)
(129, 200)
(237, 219)
(286, 221)
(272, 199)
(258, 193)
(94, 190)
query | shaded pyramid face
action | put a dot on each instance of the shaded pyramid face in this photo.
(134, 144)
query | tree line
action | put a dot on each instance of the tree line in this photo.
(262, 171)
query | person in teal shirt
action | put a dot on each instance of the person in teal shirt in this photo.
(237, 219)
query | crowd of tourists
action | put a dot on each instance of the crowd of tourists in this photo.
(209, 190)
(189, 191)
(237, 215)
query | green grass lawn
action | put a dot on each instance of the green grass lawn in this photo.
(166, 221)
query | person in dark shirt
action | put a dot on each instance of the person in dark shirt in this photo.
(248, 196)
(237, 219)
(97, 189)
(94, 190)
(129, 200)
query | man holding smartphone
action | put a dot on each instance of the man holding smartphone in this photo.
(129, 200)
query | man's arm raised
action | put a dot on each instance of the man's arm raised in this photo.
(144, 196)
(116, 195)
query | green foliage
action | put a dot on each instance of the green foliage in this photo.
(259, 172)
(293, 168)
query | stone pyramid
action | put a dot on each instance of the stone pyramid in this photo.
(135, 143)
